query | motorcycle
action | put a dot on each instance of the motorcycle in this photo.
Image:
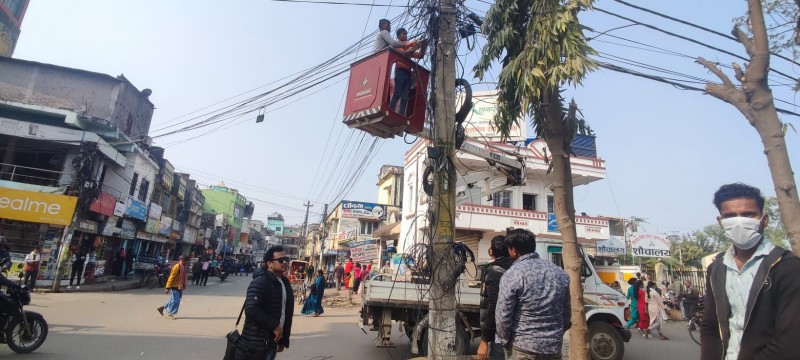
(222, 273)
(23, 334)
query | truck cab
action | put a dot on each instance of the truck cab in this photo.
(604, 306)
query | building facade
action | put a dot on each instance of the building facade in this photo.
(11, 14)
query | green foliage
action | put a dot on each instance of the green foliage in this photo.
(541, 46)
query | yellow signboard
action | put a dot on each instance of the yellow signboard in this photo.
(36, 207)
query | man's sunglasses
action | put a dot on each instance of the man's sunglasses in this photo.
(281, 259)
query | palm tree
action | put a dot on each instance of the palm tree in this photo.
(541, 46)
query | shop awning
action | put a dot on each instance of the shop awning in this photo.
(388, 232)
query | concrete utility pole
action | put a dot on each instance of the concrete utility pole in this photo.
(308, 206)
(442, 314)
(323, 234)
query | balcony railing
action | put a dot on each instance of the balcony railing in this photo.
(29, 175)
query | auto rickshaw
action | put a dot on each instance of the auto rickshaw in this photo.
(297, 277)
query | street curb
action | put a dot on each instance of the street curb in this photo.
(90, 288)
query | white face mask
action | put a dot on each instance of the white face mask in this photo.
(743, 231)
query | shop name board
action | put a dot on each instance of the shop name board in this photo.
(87, 226)
(615, 245)
(36, 207)
(650, 245)
(104, 204)
(135, 209)
(360, 210)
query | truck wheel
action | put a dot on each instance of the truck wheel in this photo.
(463, 341)
(605, 342)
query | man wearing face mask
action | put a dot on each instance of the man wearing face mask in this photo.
(752, 297)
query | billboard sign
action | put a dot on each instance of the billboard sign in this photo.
(615, 245)
(36, 207)
(364, 250)
(650, 245)
(362, 210)
(480, 121)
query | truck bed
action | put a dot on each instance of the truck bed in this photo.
(404, 294)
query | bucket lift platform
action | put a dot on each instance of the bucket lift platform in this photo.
(370, 90)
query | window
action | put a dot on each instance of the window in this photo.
(15, 6)
(134, 180)
(551, 204)
(502, 199)
(143, 190)
(529, 201)
(368, 227)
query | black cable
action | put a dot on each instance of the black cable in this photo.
(341, 3)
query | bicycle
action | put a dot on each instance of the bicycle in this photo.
(694, 325)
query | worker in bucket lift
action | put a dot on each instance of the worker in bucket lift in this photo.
(385, 40)
(403, 78)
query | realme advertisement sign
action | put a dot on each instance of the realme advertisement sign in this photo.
(36, 207)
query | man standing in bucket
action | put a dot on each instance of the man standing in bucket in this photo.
(752, 297)
(176, 283)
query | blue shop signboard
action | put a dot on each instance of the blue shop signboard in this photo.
(362, 210)
(135, 209)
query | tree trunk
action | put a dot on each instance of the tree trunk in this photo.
(557, 137)
(754, 100)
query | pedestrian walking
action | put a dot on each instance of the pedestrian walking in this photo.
(269, 307)
(119, 263)
(348, 273)
(78, 260)
(205, 270)
(533, 312)
(655, 310)
(338, 273)
(128, 263)
(490, 287)
(176, 283)
(752, 292)
(313, 304)
(641, 303)
(677, 289)
(197, 272)
(633, 297)
(33, 262)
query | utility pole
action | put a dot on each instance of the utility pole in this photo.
(323, 234)
(442, 314)
(308, 206)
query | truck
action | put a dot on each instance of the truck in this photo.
(386, 299)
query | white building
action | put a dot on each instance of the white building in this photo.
(480, 218)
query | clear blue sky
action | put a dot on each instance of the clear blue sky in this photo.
(666, 150)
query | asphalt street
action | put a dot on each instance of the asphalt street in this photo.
(125, 325)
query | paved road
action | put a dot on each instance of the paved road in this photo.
(125, 325)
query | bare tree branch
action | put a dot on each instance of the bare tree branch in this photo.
(738, 70)
(759, 58)
(744, 39)
(716, 71)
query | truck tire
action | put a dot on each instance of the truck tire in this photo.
(463, 341)
(605, 342)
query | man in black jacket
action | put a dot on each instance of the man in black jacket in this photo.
(269, 307)
(490, 287)
(752, 297)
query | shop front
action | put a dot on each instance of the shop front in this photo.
(31, 220)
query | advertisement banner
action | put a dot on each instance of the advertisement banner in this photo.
(152, 226)
(135, 209)
(364, 250)
(650, 245)
(128, 229)
(361, 210)
(348, 229)
(110, 226)
(104, 204)
(480, 121)
(119, 209)
(36, 207)
(165, 227)
(552, 223)
(155, 211)
(615, 245)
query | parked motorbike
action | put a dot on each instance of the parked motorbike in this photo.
(23, 331)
